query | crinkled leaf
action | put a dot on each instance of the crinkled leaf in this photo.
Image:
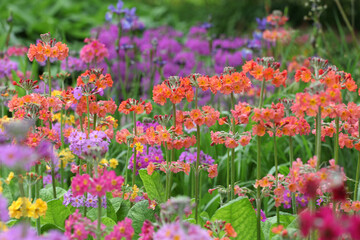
(287, 220)
(56, 214)
(139, 213)
(46, 194)
(242, 217)
(153, 185)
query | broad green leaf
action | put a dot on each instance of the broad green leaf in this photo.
(48, 227)
(139, 213)
(242, 217)
(108, 222)
(153, 185)
(110, 211)
(123, 210)
(46, 194)
(56, 214)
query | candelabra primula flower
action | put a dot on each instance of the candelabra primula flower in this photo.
(137, 106)
(93, 51)
(97, 186)
(47, 47)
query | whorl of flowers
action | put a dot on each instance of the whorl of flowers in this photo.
(206, 115)
(47, 47)
(97, 143)
(137, 106)
(175, 89)
(93, 51)
(266, 69)
(98, 186)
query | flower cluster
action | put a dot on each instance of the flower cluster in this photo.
(137, 106)
(98, 186)
(23, 207)
(81, 201)
(207, 115)
(329, 225)
(146, 156)
(93, 52)
(97, 143)
(79, 227)
(123, 230)
(189, 156)
(46, 48)
(174, 89)
(266, 69)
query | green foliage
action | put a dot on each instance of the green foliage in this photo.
(56, 214)
(241, 215)
(287, 220)
(153, 185)
(46, 194)
(139, 213)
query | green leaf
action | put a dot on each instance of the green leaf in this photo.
(56, 214)
(153, 185)
(123, 210)
(46, 194)
(110, 211)
(139, 213)
(48, 227)
(242, 217)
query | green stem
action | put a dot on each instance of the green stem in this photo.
(49, 72)
(336, 143)
(291, 147)
(167, 183)
(88, 114)
(81, 123)
(318, 138)
(95, 116)
(276, 175)
(258, 168)
(258, 190)
(197, 171)
(357, 170)
(126, 165)
(98, 237)
(134, 160)
(53, 178)
(232, 151)
(37, 191)
(228, 175)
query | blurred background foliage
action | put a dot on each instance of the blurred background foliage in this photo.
(74, 19)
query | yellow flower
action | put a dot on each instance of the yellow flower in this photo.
(1, 188)
(56, 93)
(9, 178)
(113, 163)
(66, 156)
(40, 208)
(15, 209)
(104, 161)
(139, 147)
(135, 192)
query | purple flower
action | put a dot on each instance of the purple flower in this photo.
(261, 23)
(17, 156)
(77, 201)
(118, 9)
(190, 156)
(6, 66)
(77, 93)
(181, 230)
(262, 215)
(154, 154)
(20, 232)
(302, 201)
(91, 201)
(3, 210)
